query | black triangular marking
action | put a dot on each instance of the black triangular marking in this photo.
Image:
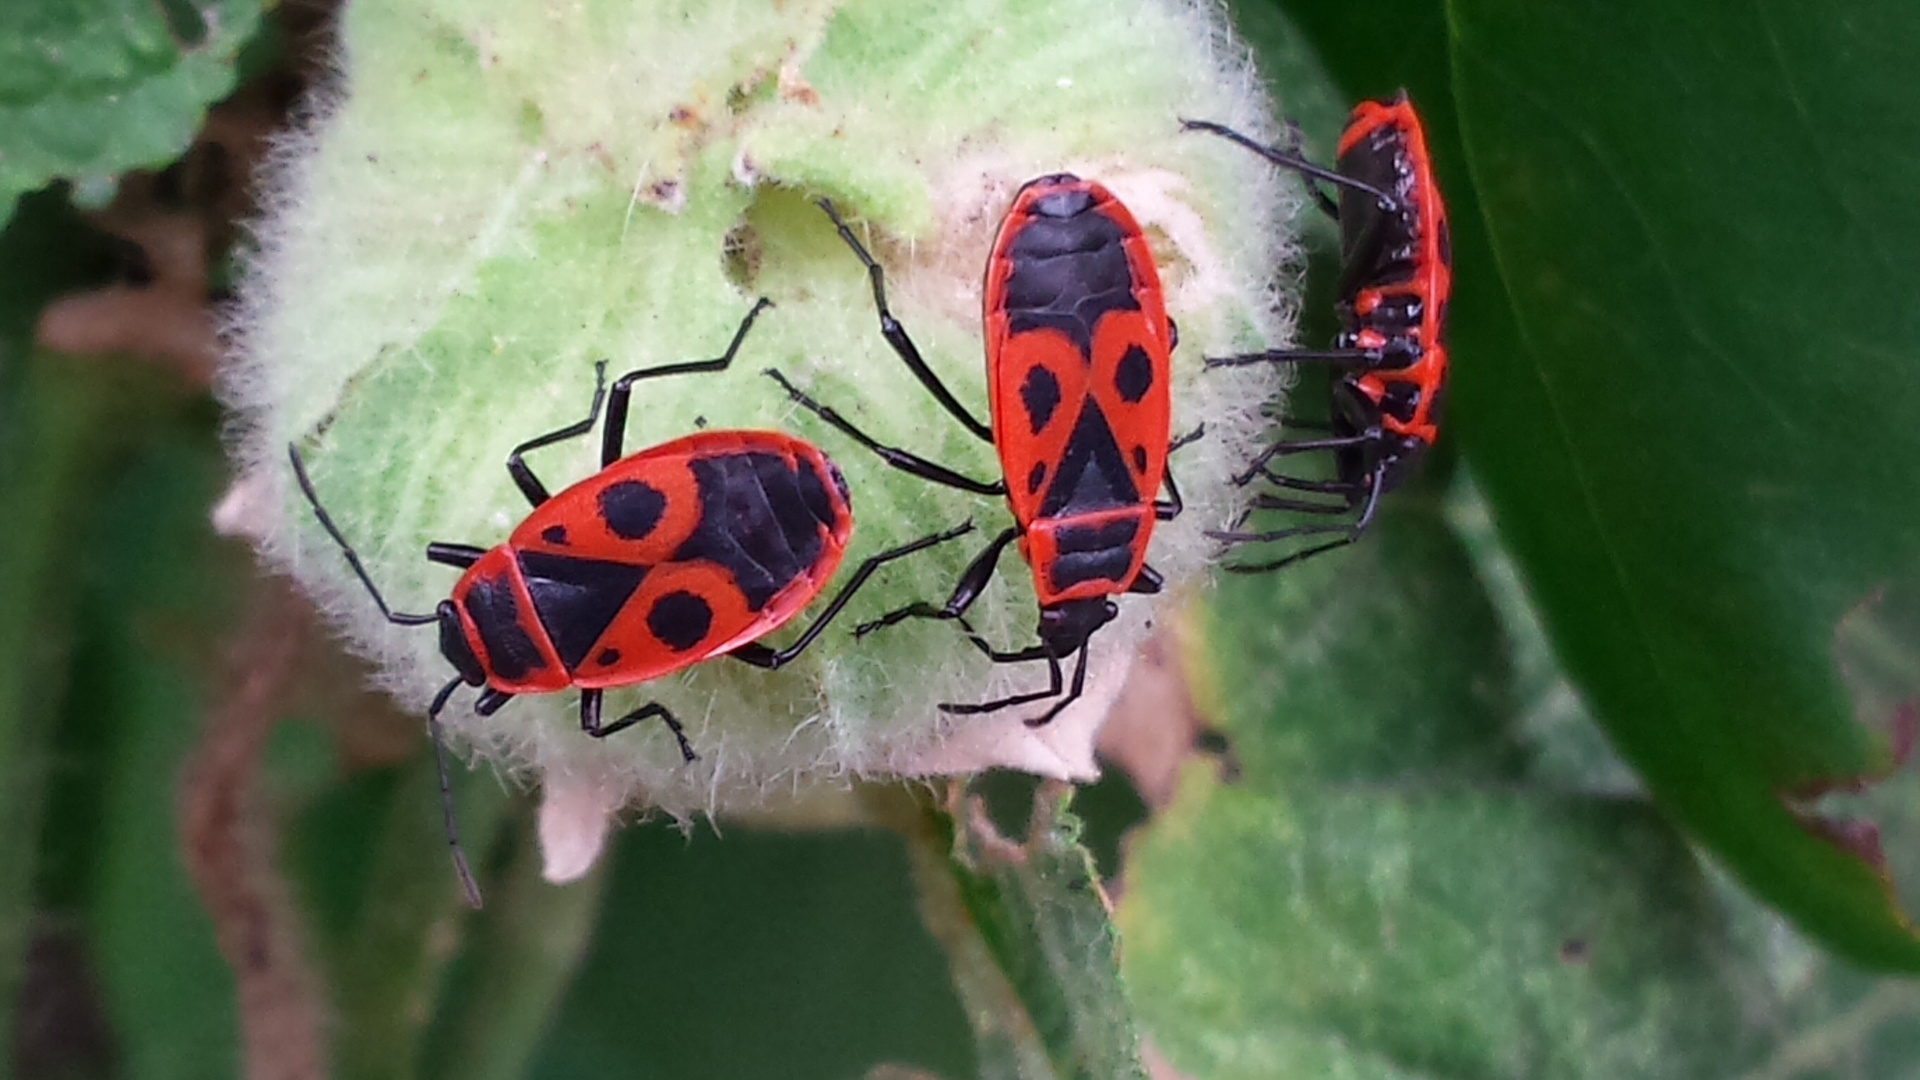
(577, 599)
(1093, 475)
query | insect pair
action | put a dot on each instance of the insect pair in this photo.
(1396, 279)
(698, 548)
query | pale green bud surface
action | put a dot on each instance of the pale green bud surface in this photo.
(496, 194)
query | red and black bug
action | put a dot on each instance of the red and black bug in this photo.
(679, 553)
(1078, 349)
(1397, 275)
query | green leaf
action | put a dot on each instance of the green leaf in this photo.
(51, 414)
(1028, 936)
(157, 591)
(795, 955)
(92, 88)
(377, 855)
(501, 994)
(1380, 889)
(1701, 456)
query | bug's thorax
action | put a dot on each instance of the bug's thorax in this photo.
(501, 629)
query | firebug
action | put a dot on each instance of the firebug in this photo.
(1397, 277)
(1078, 347)
(679, 553)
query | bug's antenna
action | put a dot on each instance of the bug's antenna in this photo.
(398, 618)
(1293, 161)
(467, 884)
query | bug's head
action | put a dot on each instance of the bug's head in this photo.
(453, 645)
(1065, 627)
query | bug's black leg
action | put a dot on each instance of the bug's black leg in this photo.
(762, 656)
(1352, 532)
(398, 618)
(1321, 199)
(972, 580)
(899, 459)
(613, 439)
(1296, 141)
(490, 701)
(1301, 446)
(460, 555)
(896, 334)
(1354, 359)
(1298, 164)
(1298, 556)
(1014, 656)
(1275, 535)
(467, 884)
(1072, 695)
(529, 484)
(1169, 508)
(1055, 680)
(1299, 506)
(1181, 442)
(1147, 582)
(1343, 488)
(653, 710)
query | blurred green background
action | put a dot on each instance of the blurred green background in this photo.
(1585, 762)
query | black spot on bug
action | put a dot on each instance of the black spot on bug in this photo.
(554, 534)
(681, 620)
(1040, 394)
(632, 508)
(1139, 459)
(1134, 376)
(607, 657)
(1037, 477)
